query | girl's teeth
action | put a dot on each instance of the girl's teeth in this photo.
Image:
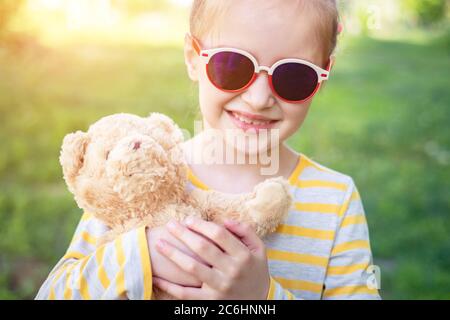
(246, 120)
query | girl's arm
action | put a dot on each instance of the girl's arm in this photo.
(120, 269)
(350, 273)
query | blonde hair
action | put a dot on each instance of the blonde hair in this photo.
(206, 14)
(203, 15)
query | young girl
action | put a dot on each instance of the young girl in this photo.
(258, 65)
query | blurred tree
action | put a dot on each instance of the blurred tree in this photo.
(427, 12)
(139, 6)
(8, 8)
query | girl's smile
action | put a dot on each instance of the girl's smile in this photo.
(246, 121)
(257, 107)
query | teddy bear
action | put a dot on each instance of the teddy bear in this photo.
(130, 171)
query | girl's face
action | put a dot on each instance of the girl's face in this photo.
(270, 31)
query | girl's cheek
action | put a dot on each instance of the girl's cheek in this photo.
(213, 103)
(212, 108)
(293, 115)
(209, 102)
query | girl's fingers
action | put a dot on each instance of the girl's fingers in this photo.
(220, 235)
(185, 262)
(205, 249)
(179, 292)
(245, 233)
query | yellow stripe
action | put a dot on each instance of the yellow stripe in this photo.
(74, 255)
(68, 287)
(320, 184)
(295, 175)
(305, 232)
(54, 271)
(82, 283)
(67, 291)
(297, 257)
(86, 216)
(315, 165)
(52, 295)
(304, 162)
(290, 295)
(293, 178)
(355, 196)
(195, 181)
(86, 237)
(101, 272)
(272, 289)
(145, 263)
(351, 245)
(58, 273)
(300, 285)
(84, 289)
(317, 207)
(351, 220)
(341, 270)
(349, 290)
(120, 278)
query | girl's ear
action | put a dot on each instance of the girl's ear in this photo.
(191, 58)
(340, 28)
(331, 62)
(329, 67)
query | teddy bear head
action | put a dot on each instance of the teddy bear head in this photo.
(124, 164)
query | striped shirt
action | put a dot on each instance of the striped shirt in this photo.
(320, 251)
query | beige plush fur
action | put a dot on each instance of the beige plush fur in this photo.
(130, 171)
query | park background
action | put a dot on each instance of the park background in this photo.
(383, 118)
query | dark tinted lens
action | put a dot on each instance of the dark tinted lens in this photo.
(294, 81)
(230, 70)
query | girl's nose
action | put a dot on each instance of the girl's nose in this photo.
(259, 95)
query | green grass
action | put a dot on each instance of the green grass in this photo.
(382, 118)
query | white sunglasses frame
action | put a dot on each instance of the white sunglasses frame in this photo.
(206, 54)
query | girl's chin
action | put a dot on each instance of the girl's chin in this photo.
(250, 144)
(249, 141)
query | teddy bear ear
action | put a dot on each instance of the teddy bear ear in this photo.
(72, 155)
(166, 131)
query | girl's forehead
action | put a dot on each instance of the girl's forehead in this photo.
(268, 32)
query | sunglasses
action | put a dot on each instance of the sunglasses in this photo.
(234, 70)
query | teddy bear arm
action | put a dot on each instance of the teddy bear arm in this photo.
(270, 205)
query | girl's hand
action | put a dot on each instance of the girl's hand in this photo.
(238, 267)
(164, 268)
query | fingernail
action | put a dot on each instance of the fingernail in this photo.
(189, 221)
(160, 243)
(172, 225)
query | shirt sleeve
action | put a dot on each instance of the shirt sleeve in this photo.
(120, 269)
(351, 273)
(277, 292)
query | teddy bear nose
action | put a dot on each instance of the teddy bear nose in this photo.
(136, 145)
